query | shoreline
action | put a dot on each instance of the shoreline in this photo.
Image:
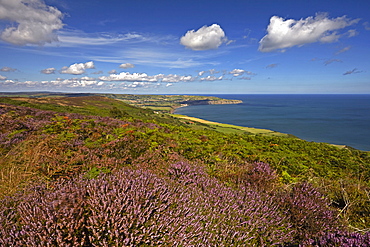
(339, 144)
(251, 130)
(220, 101)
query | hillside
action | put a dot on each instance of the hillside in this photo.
(123, 174)
(159, 103)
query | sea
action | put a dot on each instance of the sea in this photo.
(342, 119)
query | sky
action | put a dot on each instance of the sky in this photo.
(185, 47)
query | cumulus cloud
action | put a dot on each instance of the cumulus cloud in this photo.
(89, 65)
(36, 22)
(127, 66)
(113, 71)
(200, 73)
(86, 78)
(75, 82)
(84, 82)
(143, 77)
(205, 38)
(212, 78)
(2, 77)
(282, 34)
(354, 71)
(177, 78)
(211, 71)
(77, 68)
(7, 69)
(126, 76)
(136, 84)
(48, 71)
(239, 72)
(332, 61)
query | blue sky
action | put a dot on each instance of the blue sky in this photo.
(183, 47)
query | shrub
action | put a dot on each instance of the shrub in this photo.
(134, 207)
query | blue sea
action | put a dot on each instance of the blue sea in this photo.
(337, 119)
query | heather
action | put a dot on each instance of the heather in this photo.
(187, 208)
(126, 176)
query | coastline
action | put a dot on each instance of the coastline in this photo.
(320, 125)
(249, 130)
(224, 126)
(218, 101)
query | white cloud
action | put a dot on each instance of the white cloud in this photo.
(201, 73)
(211, 71)
(77, 68)
(10, 82)
(36, 22)
(212, 78)
(89, 65)
(237, 72)
(113, 71)
(127, 66)
(71, 38)
(177, 78)
(143, 77)
(136, 84)
(205, 38)
(86, 78)
(283, 34)
(352, 33)
(7, 69)
(76, 82)
(2, 77)
(84, 82)
(48, 71)
(126, 76)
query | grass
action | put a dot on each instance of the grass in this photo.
(229, 128)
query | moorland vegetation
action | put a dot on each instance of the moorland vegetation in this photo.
(95, 171)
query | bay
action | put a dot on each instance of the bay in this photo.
(340, 119)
